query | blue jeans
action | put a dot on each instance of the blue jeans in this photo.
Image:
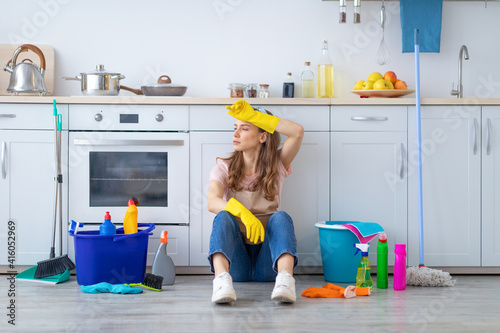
(248, 262)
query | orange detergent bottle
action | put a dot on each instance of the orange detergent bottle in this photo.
(130, 220)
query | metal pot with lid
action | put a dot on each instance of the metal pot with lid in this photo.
(99, 82)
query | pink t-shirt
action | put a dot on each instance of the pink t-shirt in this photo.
(220, 174)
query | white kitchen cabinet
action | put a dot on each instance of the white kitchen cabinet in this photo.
(490, 186)
(27, 186)
(451, 168)
(369, 170)
(305, 193)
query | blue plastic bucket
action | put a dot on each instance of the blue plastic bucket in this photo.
(119, 258)
(340, 264)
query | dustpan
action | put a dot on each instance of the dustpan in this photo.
(29, 275)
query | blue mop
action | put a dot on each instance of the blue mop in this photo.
(423, 276)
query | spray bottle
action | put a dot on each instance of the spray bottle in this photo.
(107, 228)
(382, 255)
(130, 220)
(162, 263)
(363, 279)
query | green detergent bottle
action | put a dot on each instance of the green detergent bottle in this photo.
(382, 254)
(364, 278)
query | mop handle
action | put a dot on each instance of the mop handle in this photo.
(419, 149)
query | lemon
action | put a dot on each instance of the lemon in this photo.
(359, 85)
(375, 76)
(367, 85)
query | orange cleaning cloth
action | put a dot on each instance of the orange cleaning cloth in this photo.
(333, 291)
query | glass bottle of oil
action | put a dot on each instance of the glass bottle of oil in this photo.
(325, 73)
(307, 80)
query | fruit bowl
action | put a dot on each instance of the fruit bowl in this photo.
(383, 92)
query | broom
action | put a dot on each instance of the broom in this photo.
(55, 265)
(423, 276)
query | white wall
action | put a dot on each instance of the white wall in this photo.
(206, 44)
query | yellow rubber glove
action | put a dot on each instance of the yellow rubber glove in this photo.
(241, 110)
(255, 229)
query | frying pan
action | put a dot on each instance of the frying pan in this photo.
(164, 87)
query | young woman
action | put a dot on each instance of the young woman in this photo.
(252, 239)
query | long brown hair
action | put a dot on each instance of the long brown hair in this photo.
(267, 169)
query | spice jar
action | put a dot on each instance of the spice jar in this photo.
(342, 11)
(357, 11)
(264, 91)
(252, 90)
(237, 90)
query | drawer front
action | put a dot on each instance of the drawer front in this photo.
(178, 243)
(369, 118)
(110, 117)
(31, 116)
(215, 117)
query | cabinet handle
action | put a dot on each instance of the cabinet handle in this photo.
(4, 152)
(402, 170)
(474, 134)
(488, 136)
(84, 142)
(363, 118)
(7, 115)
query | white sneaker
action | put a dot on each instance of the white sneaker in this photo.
(284, 288)
(223, 289)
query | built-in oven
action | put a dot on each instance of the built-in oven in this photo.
(114, 167)
(120, 152)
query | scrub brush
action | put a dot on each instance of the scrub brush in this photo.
(150, 281)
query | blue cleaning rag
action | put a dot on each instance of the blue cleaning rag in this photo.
(105, 287)
(424, 15)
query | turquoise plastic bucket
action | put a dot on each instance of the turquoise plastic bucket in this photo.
(340, 264)
(119, 258)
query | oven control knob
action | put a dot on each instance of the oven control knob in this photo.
(159, 117)
(98, 117)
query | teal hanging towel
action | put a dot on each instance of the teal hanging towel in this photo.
(424, 15)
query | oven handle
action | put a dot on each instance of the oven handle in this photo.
(85, 142)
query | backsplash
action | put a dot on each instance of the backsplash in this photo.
(208, 44)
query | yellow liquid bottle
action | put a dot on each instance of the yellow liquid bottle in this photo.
(130, 220)
(308, 88)
(325, 81)
(325, 74)
(307, 84)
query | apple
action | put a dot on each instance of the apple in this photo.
(391, 86)
(375, 76)
(400, 85)
(390, 76)
(381, 84)
(359, 85)
(367, 85)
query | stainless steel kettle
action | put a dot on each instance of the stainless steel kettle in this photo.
(26, 77)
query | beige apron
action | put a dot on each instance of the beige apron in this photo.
(257, 204)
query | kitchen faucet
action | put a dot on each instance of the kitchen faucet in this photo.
(460, 89)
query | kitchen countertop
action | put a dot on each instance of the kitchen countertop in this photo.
(156, 100)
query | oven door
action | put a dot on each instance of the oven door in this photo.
(107, 169)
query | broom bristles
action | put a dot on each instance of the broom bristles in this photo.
(428, 277)
(53, 266)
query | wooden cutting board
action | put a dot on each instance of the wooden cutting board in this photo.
(6, 52)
